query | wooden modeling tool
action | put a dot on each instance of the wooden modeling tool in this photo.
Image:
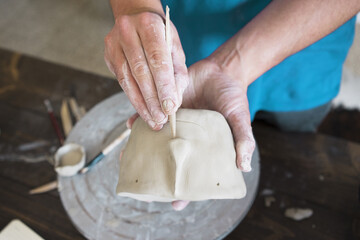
(75, 109)
(66, 118)
(44, 188)
(168, 43)
(105, 152)
(82, 110)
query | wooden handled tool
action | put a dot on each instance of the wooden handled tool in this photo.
(168, 43)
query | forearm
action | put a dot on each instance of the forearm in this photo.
(283, 28)
(121, 7)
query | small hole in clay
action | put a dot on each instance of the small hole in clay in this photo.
(136, 180)
(218, 184)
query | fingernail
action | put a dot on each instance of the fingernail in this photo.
(179, 205)
(160, 117)
(128, 124)
(152, 124)
(168, 105)
(245, 163)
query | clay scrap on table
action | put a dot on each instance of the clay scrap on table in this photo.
(298, 214)
(199, 164)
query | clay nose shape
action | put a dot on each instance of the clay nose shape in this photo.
(179, 151)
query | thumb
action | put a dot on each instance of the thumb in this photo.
(131, 120)
(179, 205)
(239, 121)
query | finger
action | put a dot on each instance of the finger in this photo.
(239, 121)
(131, 120)
(116, 62)
(159, 59)
(109, 51)
(179, 205)
(108, 64)
(135, 56)
(180, 69)
(130, 87)
(233, 104)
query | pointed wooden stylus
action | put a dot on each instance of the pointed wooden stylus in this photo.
(168, 43)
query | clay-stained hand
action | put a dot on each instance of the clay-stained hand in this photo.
(152, 76)
(210, 88)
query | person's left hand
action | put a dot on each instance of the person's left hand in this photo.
(212, 88)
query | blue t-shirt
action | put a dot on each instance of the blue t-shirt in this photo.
(302, 81)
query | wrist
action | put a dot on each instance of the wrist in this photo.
(245, 56)
(231, 60)
(121, 7)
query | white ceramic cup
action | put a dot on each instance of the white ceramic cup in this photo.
(69, 159)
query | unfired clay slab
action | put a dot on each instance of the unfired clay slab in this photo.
(199, 164)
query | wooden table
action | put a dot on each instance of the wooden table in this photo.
(314, 171)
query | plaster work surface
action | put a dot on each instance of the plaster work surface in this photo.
(91, 202)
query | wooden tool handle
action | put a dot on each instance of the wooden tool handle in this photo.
(169, 43)
(44, 188)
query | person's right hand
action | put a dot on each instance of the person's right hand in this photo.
(152, 76)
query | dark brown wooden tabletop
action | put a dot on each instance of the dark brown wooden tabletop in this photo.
(320, 171)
